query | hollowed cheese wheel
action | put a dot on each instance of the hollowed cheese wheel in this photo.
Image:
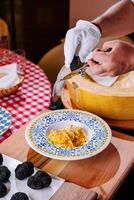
(115, 102)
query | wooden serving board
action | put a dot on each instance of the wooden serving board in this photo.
(120, 124)
(103, 173)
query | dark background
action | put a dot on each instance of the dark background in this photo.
(39, 24)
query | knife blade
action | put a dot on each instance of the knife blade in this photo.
(81, 71)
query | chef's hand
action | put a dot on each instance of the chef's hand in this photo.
(114, 58)
(80, 40)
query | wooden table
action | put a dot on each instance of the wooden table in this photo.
(103, 173)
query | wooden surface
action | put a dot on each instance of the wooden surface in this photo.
(103, 173)
(121, 124)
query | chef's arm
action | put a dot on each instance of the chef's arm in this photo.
(118, 20)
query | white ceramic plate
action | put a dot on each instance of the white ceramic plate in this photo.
(98, 134)
(5, 120)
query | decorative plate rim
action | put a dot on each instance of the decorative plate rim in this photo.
(59, 157)
(10, 120)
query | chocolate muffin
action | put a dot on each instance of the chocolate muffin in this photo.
(19, 196)
(1, 159)
(4, 174)
(39, 180)
(24, 170)
(3, 190)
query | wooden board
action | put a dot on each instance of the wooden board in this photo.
(120, 124)
(103, 173)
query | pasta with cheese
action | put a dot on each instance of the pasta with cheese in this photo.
(68, 137)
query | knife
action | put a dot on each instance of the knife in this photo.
(80, 71)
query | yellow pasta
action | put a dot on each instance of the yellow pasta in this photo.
(68, 137)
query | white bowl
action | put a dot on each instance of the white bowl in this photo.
(98, 134)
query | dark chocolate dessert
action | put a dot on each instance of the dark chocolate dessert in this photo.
(3, 190)
(19, 196)
(24, 170)
(39, 180)
(4, 174)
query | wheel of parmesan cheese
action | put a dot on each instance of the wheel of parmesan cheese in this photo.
(115, 102)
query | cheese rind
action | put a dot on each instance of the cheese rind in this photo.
(115, 102)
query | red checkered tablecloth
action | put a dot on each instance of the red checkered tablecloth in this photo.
(32, 97)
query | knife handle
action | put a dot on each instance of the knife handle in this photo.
(82, 70)
(75, 63)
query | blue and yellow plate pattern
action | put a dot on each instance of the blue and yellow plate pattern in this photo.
(5, 120)
(98, 134)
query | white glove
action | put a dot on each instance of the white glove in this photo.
(81, 40)
(60, 84)
(84, 36)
